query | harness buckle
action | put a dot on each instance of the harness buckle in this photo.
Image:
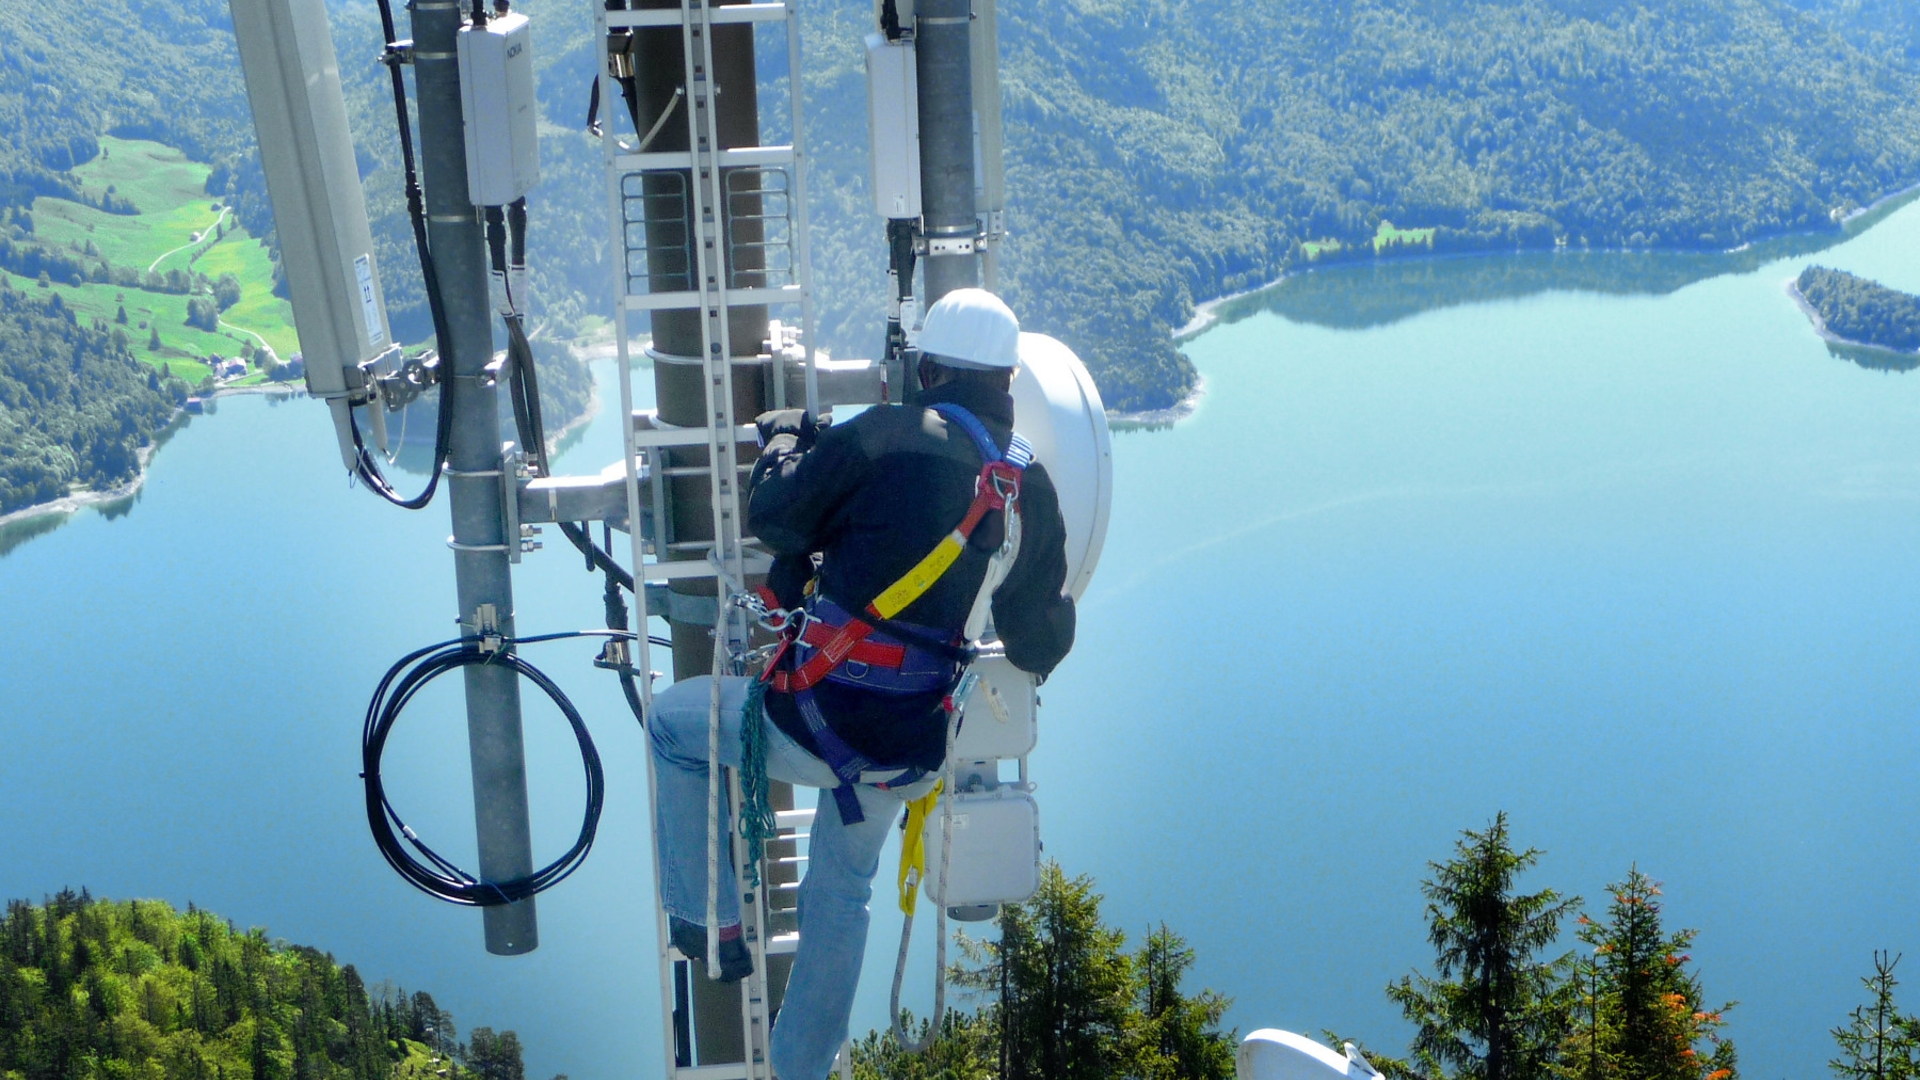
(999, 484)
(769, 618)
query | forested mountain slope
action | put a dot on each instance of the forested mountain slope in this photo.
(75, 406)
(93, 988)
(1161, 152)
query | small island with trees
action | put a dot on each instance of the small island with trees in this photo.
(1850, 311)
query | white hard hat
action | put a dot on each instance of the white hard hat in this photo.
(971, 328)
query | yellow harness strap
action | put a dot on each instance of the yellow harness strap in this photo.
(918, 580)
(913, 847)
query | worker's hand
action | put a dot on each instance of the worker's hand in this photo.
(795, 422)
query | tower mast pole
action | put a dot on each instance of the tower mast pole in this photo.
(482, 572)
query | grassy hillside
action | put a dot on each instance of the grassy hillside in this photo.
(168, 190)
(178, 227)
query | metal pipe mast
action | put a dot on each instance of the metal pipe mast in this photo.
(482, 571)
(950, 223)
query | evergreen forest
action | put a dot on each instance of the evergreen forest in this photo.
(1860, 310)
(76, 406)
(134, 990)
(93, 989)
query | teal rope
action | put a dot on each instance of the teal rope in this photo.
(756, 811)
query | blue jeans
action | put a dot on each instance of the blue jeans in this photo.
(841, 861)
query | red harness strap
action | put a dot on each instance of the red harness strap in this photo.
(847, 642)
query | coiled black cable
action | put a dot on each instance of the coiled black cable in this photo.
(438, 876)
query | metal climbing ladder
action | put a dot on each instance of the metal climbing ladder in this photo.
(742, 243)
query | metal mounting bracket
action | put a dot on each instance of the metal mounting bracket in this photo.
(513, 474)
(485, 625)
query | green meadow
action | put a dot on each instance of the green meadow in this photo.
(1387, 237)
(259, 314)
(170, 192)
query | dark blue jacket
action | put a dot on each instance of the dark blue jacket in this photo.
(871, 498)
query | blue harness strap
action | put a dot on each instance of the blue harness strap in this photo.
(1019, 452)
(847, 763)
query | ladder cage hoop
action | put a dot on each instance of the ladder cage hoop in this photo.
(658, 199)
(761, 195)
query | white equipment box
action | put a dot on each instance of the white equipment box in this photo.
(496, 101)
(996, 719)
(893, 127)
(996, 849)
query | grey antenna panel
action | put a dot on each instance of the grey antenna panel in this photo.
(319, 210)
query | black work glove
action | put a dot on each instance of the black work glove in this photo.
(798, 423)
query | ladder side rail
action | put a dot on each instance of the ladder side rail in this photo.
(642, 648)
(711, 284)
(797, 187)
(709, 195)
(756, 993)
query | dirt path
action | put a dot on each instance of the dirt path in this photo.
(249, 333)
(224, 211)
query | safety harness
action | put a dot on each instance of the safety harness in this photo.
(871, 650)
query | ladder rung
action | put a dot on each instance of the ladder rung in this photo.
(778, 294)
(686, 436)
(793, 819)
(783, 944)
(725, 13)
(660, 300)
(732, 1071)
(700, 546)
(740, 157)
(698, 568)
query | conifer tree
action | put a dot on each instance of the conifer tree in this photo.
(1063, 1000)
(1878, 1043)
(1066, 986)
(1495, 1011)
(1641, 1016)
(1176, 1036)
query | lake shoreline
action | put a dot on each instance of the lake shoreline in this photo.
(75, 501)
(1167, 417)
(1206, 313)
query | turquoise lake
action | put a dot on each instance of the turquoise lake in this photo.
(1612, 543)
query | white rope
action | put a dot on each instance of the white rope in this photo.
(907, 1043)
(997, 570)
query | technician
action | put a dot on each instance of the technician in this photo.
(857, 704)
